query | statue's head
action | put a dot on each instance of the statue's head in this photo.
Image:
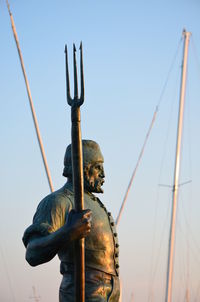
(92, 166)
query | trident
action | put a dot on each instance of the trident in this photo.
(77, 167)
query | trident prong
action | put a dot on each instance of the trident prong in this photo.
(76, 101)
(82, 76)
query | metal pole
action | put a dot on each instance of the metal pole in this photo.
(168, 296)
(30, 101)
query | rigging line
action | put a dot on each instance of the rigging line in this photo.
(153, 269)
(183, 205)
(30, 100)
(191, 232)
(188, 219)
(195, 54)
(191, 247)
(7, 275)
(136, 167)
(197, 294)
(185, 238)
(152, 248)
(159, 250)
(181, 246)
(169, 72)
(187, 255)
(147, 136)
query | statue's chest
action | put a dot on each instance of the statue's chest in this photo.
(102, 226)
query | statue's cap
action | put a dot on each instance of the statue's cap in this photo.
(91, 154)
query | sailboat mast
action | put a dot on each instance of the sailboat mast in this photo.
(30, 100)
(168, 296)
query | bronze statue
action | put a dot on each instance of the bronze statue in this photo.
(56, 225)
(60, 224)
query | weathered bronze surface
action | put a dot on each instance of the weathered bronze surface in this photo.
(89, 266)
(56, 225)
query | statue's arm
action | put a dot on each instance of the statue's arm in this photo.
(41, 249)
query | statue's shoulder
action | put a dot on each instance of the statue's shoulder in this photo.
(50, 214)
(59, 198)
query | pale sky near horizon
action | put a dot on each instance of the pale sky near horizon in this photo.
(128, 48)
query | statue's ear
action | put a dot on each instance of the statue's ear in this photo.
(87, 170)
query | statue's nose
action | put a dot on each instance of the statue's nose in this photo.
(102, 173)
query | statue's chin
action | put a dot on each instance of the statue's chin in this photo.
(98, 190)
(93, 188)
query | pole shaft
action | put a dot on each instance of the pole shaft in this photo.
(77, 164)
(31, 101)
(168, 296)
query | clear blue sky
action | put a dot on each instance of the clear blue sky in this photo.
(128, 49)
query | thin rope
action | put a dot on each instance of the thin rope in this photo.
(154, 270)
(30, 100)
(136, 167)
(146, 138)
(195, 55)
(154, 263)
(181, 260)
(7, 275)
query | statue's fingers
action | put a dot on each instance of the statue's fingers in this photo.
(89, 225)
(87, 213)
(88, 216)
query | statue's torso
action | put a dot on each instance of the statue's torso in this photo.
(101, 245)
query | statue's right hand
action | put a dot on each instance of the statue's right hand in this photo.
(79, 224)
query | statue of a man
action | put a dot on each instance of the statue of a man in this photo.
(56, 225)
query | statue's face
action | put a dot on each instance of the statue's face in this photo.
(94, 177)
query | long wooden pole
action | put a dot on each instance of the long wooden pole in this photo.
(30, 101)
(77, 165)
(168, 297)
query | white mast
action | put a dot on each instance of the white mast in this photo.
(168, 296)
(30, 100)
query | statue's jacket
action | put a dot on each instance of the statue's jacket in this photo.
(101, 245)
